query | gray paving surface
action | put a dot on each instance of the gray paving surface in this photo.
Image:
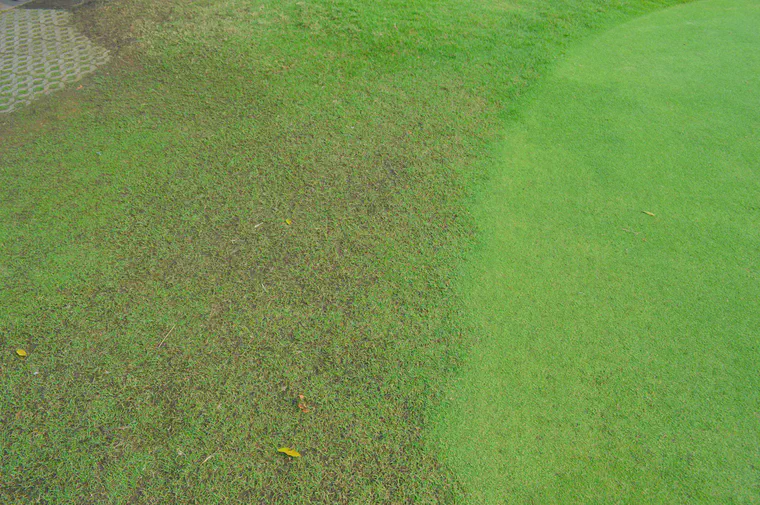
(9, 4)
(41, 52)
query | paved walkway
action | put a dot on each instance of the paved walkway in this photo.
(41, 52)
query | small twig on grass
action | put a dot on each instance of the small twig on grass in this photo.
(164, 339)
(208, 457)
(631, 231)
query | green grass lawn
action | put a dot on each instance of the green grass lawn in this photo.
(617, 351)
(261, 200)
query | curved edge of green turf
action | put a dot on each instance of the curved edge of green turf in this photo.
(614, 291)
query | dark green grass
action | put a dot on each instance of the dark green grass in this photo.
(171, 315)
(618, 352)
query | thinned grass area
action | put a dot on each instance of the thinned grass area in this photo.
(616, 290)
(257, 201)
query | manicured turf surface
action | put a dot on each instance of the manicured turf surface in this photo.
(618, 352)
(264, 200)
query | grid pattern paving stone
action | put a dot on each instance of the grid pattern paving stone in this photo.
(41, 52)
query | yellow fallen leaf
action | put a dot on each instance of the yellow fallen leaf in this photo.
(648, 213)
(288, 222)
(21, 353)
(290, 452)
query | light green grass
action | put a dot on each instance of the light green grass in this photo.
(617, 356)
(172, 318)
